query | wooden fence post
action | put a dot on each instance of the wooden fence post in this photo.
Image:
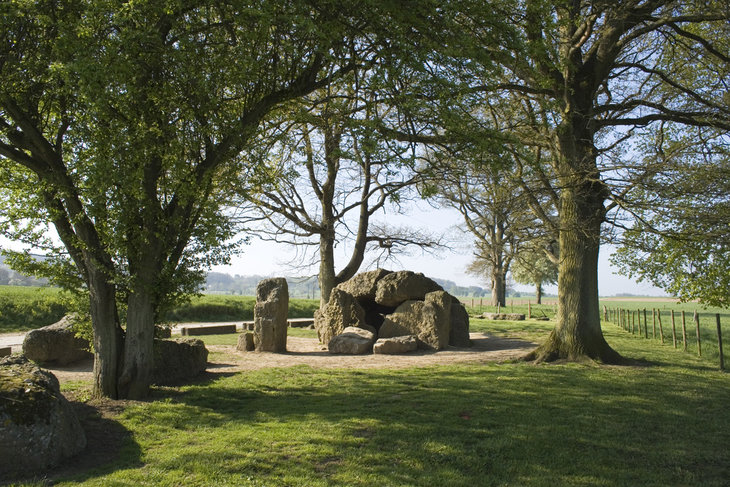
(653, 320)
(674, 331)
(719, 341)
(661, 330)
(697, 325)
(684, 332)
(529, 311)
(646, 327)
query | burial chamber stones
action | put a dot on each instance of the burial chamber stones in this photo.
(389, 305)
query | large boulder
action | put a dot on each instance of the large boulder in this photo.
(341, 311)
(395, 345)
(178, 360)
(39, 429)
(270, 315)
(56, 343)
(428, 320)
(396, 288)
(352, 341)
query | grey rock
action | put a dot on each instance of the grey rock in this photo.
(246, 342)
(459, 333)
(352, 341)
(398, 287)
(56, 343)
(395, 345)
(178, 360)
(39, 427)
(503, 316)
(270, 315)
(363, 286)
(341, 311)
(429, 320)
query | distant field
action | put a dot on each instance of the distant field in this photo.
(25, 308)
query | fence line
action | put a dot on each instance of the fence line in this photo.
(631, 322)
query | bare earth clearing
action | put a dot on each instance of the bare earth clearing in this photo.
(308, 351)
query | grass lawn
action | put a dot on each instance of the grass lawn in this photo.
(665, 423)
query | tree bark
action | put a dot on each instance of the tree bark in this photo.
(327, 276)
(577, 334)
(538, 292)
(498, 289)
(108, 335)
(136, 374)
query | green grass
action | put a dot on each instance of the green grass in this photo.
(708, 323)
(512, 424)
(24, 308)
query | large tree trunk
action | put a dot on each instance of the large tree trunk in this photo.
(499, 287)
(136, 375)
(538, 292)
(577, 334)
(108, 335)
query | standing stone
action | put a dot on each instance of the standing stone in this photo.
(270, 315)
(342, 310)
(38, 427)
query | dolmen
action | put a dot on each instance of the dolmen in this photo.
(389, 312)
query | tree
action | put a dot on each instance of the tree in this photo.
(535, 266)
(119, 127)
(331, 173)
(585, 77)
(494, 218)
(678, 239)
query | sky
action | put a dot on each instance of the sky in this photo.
(271, 259)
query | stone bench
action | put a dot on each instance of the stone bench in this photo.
(207, 330)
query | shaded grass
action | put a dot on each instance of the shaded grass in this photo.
(665, 423)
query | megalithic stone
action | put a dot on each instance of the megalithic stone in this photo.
(270, 315)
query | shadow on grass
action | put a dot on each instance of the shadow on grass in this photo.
(466, 425)
(109, 447)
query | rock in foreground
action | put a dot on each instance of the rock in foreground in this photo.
(39, 429)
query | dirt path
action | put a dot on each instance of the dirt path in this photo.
(308, 351)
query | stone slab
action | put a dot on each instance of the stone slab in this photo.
(5, 351)
(207, 330)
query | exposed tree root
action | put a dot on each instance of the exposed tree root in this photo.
(554, 349)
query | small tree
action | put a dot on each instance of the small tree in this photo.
(537, 267)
